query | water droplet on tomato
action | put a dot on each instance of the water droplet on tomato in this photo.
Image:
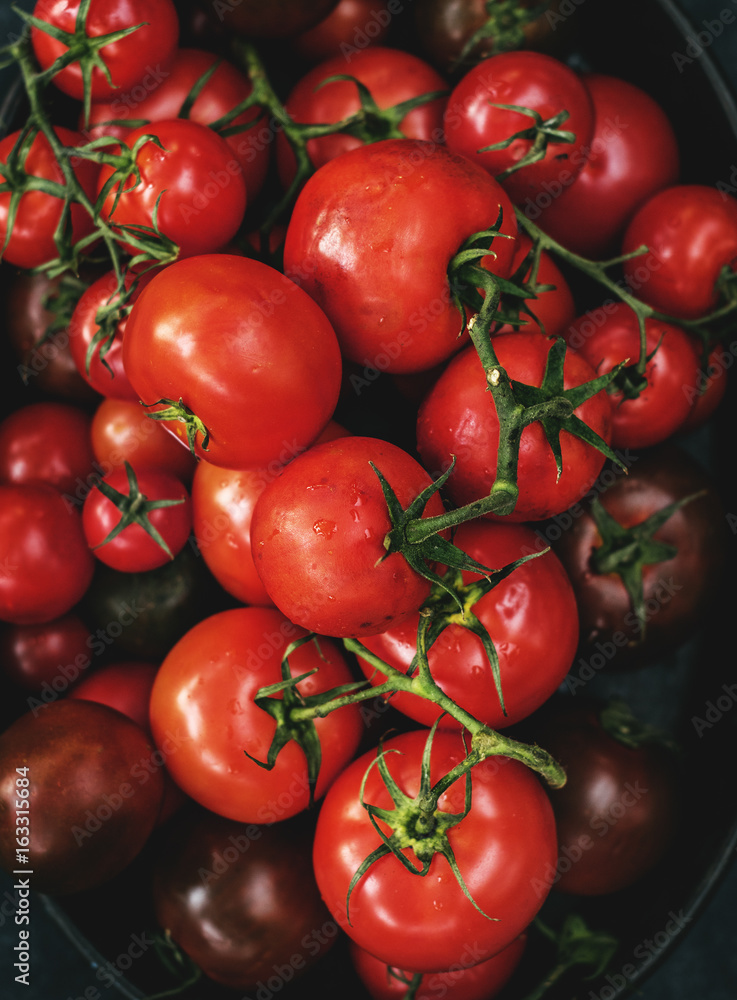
(325, 528)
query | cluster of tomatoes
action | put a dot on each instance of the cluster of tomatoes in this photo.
(348, 441)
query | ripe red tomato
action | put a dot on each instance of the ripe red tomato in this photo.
(371, 248)
(46, 442)
(525, 79)
(46, 564)
(121, 432)
(458, 417)
(555, 308)
(608, 335)
(520, 614)
(223, 91)
(690, 231)
(31, 243)
(634, 153)
(128, 60)
(317, 537)
(204, 193)
(124, 686)
(505, 849)
(464, 981)
(153, 498)
(391, 75)
(204, 692)
(269, 380)
(112, 790)
(619, 809)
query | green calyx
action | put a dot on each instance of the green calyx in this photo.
(539, 134)
(134, 508)
(626, 551)
(81, 48)
(417, 824)
(575, 945)
(503, 28)
(176, 410)
(291, 710)
(620, 722)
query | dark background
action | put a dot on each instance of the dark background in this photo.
(702, 967)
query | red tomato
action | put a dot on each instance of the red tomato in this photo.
(123, 686)
(526, 79)
(269, 380)
(204, 193)
(554, 309)
(391, 75)
(348, 28)
(520, 614)
(224, 90)
(634, 153)
(107, 377)
(691, 233)
(135, 549)
(222, 507)
(46, 564)
(504, 847)
(50, 655)
(370, 246)
(46, 442)
(31, 242)
(317, 537)
(458, 417)
(128, 60)
(204, 692)
(464, 981)
(122, 432)
(709, 389)
(608, 335)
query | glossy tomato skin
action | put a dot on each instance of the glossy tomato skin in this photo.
(662, 407)
(371, 248)
(317, 537)
(677, 590)
(391, 76)
(224, 90)
(463, 982)
(121, 431)
(634, 153)
(111, 785)
(551, 311)
(458, 417)
(204, 691)
(241, 899)
(222, 506)
(38, 657)
(349, 27)
(691, 233)
(128, 60)
(47, 564)
(133, 550)
(269, 378)
(531, 80)
(108, 377)
(46, 442)
(619, 809)
(204, 197)
(504, 847)
(531, 617)
(31, 242)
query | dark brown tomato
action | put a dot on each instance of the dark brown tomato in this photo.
(278, 19)
(241, 899)
(676, 590)
(618, 810)
(94, 790)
